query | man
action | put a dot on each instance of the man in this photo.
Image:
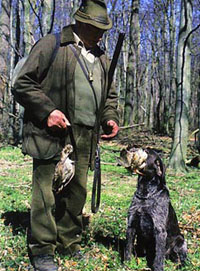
(62, 108)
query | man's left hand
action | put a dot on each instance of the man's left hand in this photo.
(114, 129)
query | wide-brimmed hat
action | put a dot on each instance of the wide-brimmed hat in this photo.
(94, 12)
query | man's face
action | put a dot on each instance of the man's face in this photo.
(90, 35)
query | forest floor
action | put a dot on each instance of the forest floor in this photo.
(104, 234)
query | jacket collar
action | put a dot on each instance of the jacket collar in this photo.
(67, 35)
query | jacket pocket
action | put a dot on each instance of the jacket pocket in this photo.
(39, 143)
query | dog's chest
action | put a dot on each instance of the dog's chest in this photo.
(145, 225)
(144, 220)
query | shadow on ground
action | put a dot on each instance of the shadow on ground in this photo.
(115, 242)
(19, 221)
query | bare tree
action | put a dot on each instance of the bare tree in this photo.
(46, 16)
(146, 72)
(4, 67)
(179, 148)
(132, 90)
(172, 59)
(198, 103)
(4, 42)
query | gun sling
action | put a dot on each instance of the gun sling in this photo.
(96, 189)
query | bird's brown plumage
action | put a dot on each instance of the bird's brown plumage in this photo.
(65, 169)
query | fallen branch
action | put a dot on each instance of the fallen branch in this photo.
(131, 126)
(107, 163)
(17, 186)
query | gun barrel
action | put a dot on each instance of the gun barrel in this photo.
(115, 59)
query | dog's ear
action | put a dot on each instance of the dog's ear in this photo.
(125, 158)
(160, 169)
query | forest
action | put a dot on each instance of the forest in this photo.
(158, 83)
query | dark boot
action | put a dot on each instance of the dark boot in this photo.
(44, 263)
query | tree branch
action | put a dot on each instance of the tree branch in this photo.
(37, 16)
(52, 17)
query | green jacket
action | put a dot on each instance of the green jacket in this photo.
(40, 96)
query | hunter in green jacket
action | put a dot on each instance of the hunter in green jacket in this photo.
(59, 100)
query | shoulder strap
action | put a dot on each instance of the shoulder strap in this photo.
(57, 36)
(53, 56)
(96, 188)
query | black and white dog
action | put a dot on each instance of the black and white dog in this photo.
(152, 229)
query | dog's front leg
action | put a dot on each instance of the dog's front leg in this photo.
(160, 246)
(130, 238)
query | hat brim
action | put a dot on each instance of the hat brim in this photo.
(93, 22)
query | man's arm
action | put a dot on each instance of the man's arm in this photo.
(27, 89)
(110, 116)
(114, 128)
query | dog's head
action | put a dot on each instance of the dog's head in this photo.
(145, 162)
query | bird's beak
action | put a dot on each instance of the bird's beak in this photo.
(138, 172)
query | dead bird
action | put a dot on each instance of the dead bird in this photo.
(133, 159)
(64, 170)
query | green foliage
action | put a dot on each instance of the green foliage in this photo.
(104, 237)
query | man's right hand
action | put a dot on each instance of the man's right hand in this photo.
(57, 120)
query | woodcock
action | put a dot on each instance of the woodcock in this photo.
(65, 170)
(134, 159)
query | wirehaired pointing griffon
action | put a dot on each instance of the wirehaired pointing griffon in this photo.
(152, 229)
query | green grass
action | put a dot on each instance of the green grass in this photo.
(105, 234)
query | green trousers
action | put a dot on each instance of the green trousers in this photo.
(56, 222)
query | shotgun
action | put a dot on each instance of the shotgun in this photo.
(96, 189)
(113, 63)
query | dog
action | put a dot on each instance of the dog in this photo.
(152, 231)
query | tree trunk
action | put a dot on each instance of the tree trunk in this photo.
(132, 67)
(165, 97)
(147, 93)
(74, 7)
(198, 106)
(172, 57)
(4, 65)
(45, 14)
(179, 148)
(4, 42)
(10, 100)
(28, 29)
